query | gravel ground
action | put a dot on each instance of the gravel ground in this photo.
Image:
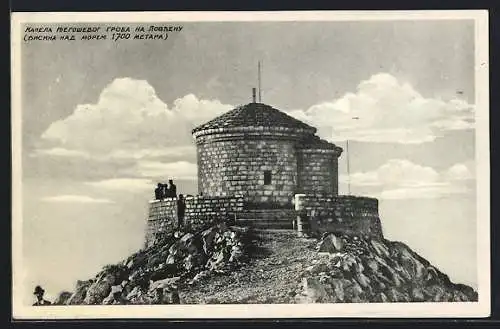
(274, 276)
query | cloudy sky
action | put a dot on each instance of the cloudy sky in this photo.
(104, 121)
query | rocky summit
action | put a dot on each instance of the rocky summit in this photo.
(230, 264)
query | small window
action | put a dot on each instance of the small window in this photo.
(267, 177)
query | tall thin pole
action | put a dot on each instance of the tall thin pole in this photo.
(348, 169)
(259, 77)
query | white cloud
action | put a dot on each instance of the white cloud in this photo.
(127, 184)
(384, 109)
(148, 153)
(131, 128)
(174, 170)
(128, 119)
(397, 171)
(400, 178)
(423, 192)
(61, 152)
(198, 111)
(75, 199)
(133, 135)
(459, 171)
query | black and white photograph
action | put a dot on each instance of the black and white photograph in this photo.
(250, 164)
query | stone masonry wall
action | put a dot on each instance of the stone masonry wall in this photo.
(200, 211)
(162, 218)
(340, 214)
(237, 166)
(317, 171)
(204, 210)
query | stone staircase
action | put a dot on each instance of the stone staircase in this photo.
(265, 223)
(267, 218)
(273, 219)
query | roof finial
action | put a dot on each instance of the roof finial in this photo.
(253, 95)
(259, 77)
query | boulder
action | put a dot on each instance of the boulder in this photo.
(431, 276)
(80, 293)
(100, 289)
(331, 244)
(395, 295)
(138, 296)
(338, 289)
(136, 260)
(62, 298)
(165, 283)
(170, 259)
(317, 268)
(188, 244)
(236, 253)
(164, 296)
(134, 293)
(115, 296)
(165, 291)
(186, 238)
(155, 260)
(381, 298)
(200, 276)
(165, 271)
(207, 238)
(417, 295)
(314, 291)
(216, 261)
(353, 292)
(363, 280)
(174, 248)
(193, 262)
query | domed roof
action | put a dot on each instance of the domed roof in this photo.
(255, 115)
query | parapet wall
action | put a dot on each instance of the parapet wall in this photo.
(340, 214)
(320, 213)
(200, 211)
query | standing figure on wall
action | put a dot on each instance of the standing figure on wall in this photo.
(181, 209)
(159, 191)
(164, 191)
(172, 189)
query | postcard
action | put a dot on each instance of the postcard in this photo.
(250, 164)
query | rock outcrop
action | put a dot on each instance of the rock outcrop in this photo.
(155, 274)
(360, 269)
(62, 298)
(230, 264)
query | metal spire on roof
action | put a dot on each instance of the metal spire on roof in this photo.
(259, 78)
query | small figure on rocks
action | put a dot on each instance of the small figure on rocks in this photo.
(181, 209)
(172, 189)
(159, 191)
(39, 292)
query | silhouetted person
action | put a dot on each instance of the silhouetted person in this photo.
(39, 297)
(164, 191)
(159, 192)
(181, 209)
(172, 189)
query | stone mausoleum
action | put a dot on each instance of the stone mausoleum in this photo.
(260, 167)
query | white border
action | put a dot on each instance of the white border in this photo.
(473, 309)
